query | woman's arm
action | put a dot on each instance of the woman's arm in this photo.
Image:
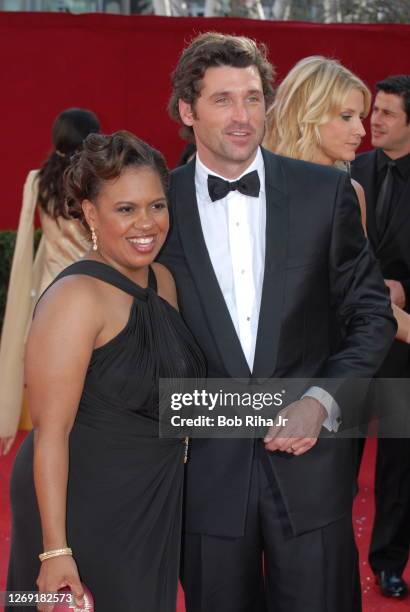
(402, 317)
(63, 334)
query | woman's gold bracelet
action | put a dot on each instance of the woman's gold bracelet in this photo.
(58, 552)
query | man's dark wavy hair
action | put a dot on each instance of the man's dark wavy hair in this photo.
(211, 50)
(399, 85)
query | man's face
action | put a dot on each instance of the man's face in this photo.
(389, 127)
(228, 118)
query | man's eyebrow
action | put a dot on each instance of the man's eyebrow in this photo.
(385, 110)
(220, 93)
(228, 92)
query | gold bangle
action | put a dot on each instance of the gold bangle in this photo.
(58, 552)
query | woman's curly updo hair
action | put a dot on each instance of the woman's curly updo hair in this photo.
(103, 158)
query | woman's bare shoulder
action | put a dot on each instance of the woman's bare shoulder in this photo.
(74, 294)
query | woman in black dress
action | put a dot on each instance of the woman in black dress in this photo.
(106, 488)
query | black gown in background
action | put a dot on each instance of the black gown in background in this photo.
(125, 483)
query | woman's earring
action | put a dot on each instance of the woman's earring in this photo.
(94, 239)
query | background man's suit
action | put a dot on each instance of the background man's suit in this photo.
(391, 535)
(317, 269)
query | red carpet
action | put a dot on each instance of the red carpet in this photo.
(363, 517)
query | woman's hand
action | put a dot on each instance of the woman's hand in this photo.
(56, 573)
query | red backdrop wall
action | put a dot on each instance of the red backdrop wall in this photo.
(119, 67)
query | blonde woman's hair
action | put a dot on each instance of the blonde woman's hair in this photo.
(311, 94)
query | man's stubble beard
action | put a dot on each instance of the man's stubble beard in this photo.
(235, 154)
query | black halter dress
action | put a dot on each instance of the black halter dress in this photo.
(125, 483)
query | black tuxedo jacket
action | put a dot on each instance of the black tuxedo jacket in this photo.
(317, 268)
(393, 249)
(393, 253)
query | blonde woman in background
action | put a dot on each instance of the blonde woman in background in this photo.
(317, 116)
(63, 241)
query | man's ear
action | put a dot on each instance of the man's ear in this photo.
(185, 112)
(89, 213)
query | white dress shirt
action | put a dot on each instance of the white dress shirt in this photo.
(234, 233)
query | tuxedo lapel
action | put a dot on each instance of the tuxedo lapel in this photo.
(202, 271)
(275, 265)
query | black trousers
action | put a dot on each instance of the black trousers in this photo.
(389, 548)
(268, 569)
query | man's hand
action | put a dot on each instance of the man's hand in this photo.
(301, 429)
(397, 295)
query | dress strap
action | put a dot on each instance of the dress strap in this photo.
(152, 280)
(106, 273)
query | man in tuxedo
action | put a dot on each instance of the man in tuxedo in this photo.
(384, 174)
(266, 253)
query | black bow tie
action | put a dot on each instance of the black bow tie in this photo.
(248, 184)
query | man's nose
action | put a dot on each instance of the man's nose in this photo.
(375, 117)
(240, 113)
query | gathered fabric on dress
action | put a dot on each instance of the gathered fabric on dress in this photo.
(124, 495)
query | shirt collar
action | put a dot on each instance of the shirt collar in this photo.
(402, 163)
(202, 172)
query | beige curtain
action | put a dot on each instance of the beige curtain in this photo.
(64, 241)
(24, 280)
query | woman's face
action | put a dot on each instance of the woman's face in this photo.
(130, 218)
(341, 137)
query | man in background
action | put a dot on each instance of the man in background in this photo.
(384, 173)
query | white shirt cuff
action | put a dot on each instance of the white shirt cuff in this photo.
(333, 420)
